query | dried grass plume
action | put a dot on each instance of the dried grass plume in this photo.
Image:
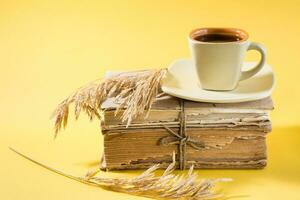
(134, 91)
(185, 186)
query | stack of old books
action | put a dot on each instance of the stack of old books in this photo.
(206, 135)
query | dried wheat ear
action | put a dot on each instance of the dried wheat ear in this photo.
(134, 91)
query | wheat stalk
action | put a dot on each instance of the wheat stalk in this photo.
(185, 186)
(134, 91)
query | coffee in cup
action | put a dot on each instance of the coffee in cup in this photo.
(218, 55)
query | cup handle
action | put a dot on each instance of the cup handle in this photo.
(261, 49)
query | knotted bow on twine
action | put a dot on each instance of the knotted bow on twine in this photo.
(182, 139)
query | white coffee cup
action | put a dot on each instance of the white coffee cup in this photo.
(218, 55)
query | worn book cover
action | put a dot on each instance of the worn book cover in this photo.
(205, 135)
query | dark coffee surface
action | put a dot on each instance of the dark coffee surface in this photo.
(217, 38)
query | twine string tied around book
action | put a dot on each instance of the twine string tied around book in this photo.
(182, 139)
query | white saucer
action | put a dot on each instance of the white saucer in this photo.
(181, 81)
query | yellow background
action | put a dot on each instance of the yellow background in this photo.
(50, 48)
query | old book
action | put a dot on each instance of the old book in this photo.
(205, 135)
